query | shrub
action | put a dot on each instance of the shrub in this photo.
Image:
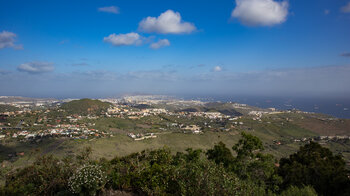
(47, 176)
(87, 180)
(316, 166)
(295, 191)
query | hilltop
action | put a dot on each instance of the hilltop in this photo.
(85, 106)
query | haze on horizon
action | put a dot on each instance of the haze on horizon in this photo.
(242, 47)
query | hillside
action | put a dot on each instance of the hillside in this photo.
(8, 108)
(85, 106)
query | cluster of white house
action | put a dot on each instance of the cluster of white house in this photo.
(125, 111)
(141, 136)
(73, 131)
(211, 115)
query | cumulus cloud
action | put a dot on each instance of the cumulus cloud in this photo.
(36, 67)
(169, 22)
(7, 40)
(346, 8)
(124, 39)
(159, 44)
(110, 9)
(260, 12)
(217, 69)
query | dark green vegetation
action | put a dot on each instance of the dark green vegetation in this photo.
(8, 108)
(218, 171)
(85, 106)
(318, 167)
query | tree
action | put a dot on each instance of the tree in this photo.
(220, 154)
(316, 166)
(251, 163)
(246, 146)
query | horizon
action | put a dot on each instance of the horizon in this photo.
(336, 107)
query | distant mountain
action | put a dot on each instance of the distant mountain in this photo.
(85, 106)
(16, 99)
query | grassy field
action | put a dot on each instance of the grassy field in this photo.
(120, 145)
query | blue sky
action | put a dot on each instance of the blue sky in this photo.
(101, 48)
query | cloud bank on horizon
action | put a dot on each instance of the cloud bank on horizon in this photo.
(330, 80)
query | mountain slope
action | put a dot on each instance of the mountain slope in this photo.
(85, 106)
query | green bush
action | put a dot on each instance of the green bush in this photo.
(160, 172)
(249, 163)
(296, 191)
(316, 166)
(47, 176)
(87, 180)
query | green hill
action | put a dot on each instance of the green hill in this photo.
(85, 106)
(8, 108)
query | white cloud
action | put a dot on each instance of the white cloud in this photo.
(110, 9)
(159, 44)
(7, 40)
(260, 12)
(217, 69)
(124, 39)
(327, 12)
(168, 22)
(36, 67)
(346, 8)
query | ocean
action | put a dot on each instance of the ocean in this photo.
(337, 107)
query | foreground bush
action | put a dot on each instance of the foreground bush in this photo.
(316, 166)
(296, 191)
(47, 176)
(87, 180)
(160, 172)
